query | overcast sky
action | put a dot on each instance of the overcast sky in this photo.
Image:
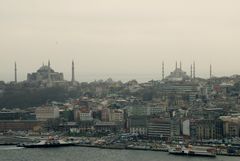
(123, 39)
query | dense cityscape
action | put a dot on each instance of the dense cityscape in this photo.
(129, 80)
(180, 107)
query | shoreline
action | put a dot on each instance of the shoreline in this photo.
(116, 147)
(144, 146)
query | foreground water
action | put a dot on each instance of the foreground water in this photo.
(11, 153)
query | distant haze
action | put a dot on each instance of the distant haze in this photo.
(125, 39)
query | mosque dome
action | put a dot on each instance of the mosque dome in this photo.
(45, 68)
(178, 74)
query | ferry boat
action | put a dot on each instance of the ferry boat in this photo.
(178, 150)
(51, 142)
(208, 153)
(190, 151)
(162, 147)
(138, 147)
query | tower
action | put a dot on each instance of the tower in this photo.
(210, 71)
(176, 64)
(180, 65)
(49, 76)
(191, 71)
(194, 70)
(163, 70)
(49, 63)
(15, 72)
(73, 74)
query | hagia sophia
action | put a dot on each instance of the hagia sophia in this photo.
(45, 76)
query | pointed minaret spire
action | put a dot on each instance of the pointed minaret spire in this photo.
(49, 63)
(163, 70)
(180, 65)
(73, 73)
(191, 71)
(15, 72)
(194, 70)
(176, 64)
(49, 75)
(210, 71)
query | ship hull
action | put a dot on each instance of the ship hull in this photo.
(202, 154)
(46, 145)
(192, 153)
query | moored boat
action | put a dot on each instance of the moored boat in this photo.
(138, 147)
(178, 150)
(51, 142)
(191, 151)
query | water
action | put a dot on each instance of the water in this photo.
(11, 153)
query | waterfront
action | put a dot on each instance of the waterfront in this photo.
(11, 153)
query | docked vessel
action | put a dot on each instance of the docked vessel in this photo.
(207, 153)
(51, 142)
(190, 151)
(161, 147)
(138, 147)
(178, 150)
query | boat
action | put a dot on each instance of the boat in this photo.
(51, 142)
(233, 150)
(206, 153)
(192, 151)
(178, 150)
(138, 147)
(161, 147)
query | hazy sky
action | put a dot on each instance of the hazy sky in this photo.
(123, 39)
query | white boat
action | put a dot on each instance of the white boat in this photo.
(191, 151)
(207, 153)
(178, 150)
(50, 142)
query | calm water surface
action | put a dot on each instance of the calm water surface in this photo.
(11, 153)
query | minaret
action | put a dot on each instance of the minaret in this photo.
(191, 71)
(163, 70)
(180, 65)
(176, 64)
(15, 72)
(73, 74)
(49, 76)
(194, 70)
(49, 63)
(210, 71)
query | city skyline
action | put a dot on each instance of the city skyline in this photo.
(123, 40)
(119, 80)
(166, 70)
